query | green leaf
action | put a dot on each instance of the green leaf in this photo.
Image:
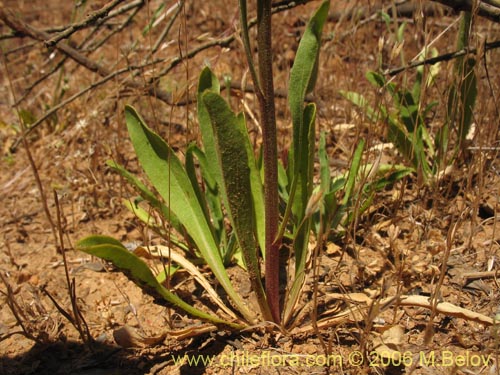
(166, 272)
(141, 213)
(191, 173)
(468, 95)
(230, 140)
(169, 178)
(353, 172)
(398, 135)
(302, 79)
(389, 174)
(137, 270)
(376, 79)
(324, 164)
(303, 222)
(208, 81)
(212, 195)
(257, 190)
(282, 182)
(400, 32)
(360, 101)
(147, 195)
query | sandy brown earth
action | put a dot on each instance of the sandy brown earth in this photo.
(412, 241)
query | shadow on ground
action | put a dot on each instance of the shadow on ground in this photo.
(103, 359)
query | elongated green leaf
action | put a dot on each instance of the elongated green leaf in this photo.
(389, 174)
(191, 173)
(208, 81)
(257, 190)
(140, 213)
(361, 102)
(303, 229)
(147, 195)
(324, 165)
(398, 135)
(168, 176)
(353, 171)
(282, 182)
(236, 186)
(109, 249)
(397, 132)
(213, 197)
(467, 86)
(301, 80)
(468, 94)
(376, 79)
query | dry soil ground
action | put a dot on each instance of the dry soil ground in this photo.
(411, 235)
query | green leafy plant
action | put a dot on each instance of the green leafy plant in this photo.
(229, 188)
(357, 187)
(406, 127)
(233, 181)
(461, 96)
(406, 123)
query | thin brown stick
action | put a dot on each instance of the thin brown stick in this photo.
(89, 20)
(40, 79)
(21, 28)
(8, 16)
(489, 9)
(166, 30)
(122, 26)
(436, 293)
(481, 275)
(111, 15)
(30, 156)
(444, 57)
(225, 42)
(16, 311)
(77, 319)
(56, 108)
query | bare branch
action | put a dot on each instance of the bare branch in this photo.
(72, 98)
(489, 9)
(90, 19)
(16, 24)
(166, 30)
(444, 57)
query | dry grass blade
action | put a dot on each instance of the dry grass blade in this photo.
(129, 337)
(447, 309)
(358, 303)
(164, 252)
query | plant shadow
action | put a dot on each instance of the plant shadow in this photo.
(76, 358)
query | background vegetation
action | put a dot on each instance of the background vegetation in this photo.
(428, 228)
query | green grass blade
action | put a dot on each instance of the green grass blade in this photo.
(360, 101)
(324, 165)
(353, 172)
(467, 86)
(236, 186)
(137, 270)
